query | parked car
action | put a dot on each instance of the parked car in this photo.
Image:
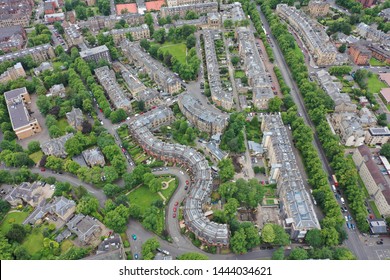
(176, 203)
(43, 169)
(379, 242)
(174, 209)
(134, 236)
(136, 256)
(174, 215)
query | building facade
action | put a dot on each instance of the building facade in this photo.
(318, 8)
(377, 136)
(38, 54)
(375, 182)
(12, 38)
(201, 8)
(137, 33)
(18, 102)
(13, 73)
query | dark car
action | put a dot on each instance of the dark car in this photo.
(379, 242)
(136, 256)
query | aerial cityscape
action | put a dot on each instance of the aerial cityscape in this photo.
(195, 129)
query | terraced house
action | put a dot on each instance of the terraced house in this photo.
(313, 35)
(195, 220)
(39, 54)
(203, 119)
(200, 8)
(156, 71)
(218, 94)
(137, 33)
(296, 207)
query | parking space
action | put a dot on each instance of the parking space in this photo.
(383, 254)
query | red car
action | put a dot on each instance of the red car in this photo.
(43, 169)
(187, 182)
(174, 209)
(123, 150)
(174, 215)
(176, 203)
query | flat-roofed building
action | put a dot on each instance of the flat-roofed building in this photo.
(376, 184)
(96, 54)
(385, 94)
(18, 103)
(296, 207)
(377, 136)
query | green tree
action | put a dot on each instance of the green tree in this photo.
(155, 185)
(118, 115)
(111, 190)
(228, 24)
(159, 36)
(149, 248)
(314, 238)
(342, 48)
(141, 105)
(33, 147)
(238, 242)
(278, 254)
(21, 253)
(110, 173)
(385, 150)
(235, 60)
(117, 219)
(191, 41)
(298, 254)
(226, 169)
(274, 104)
(16, 233)
(268, 234)
(230, 208)
(192, 256)
(281, 237)
(227, 190)
(5, 248)
(343, 254)
(87, 205)
(54, 163)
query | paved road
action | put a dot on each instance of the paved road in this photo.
(353, 242)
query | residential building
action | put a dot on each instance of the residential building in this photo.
(376, 184)
(233, 12)
(150, 97)
(200, 22)
(172, 3)
(95, 24)
(126, 8)
(385, 14)
(360, 54)
(377, 136)
(385, 94)
(318, 8)
(214, 20)
(75, 118)
(72, 34)
(59, 208)
(313, 35)
(296, 207)
(30, 193)
(215, 152)
(38, 54)
(71, 16)
(133, 83)
(379, 52)
(206, 120)
(137, 33)
(254, 68)
(96, 54)
(377, 226)
(56, 146)
(255, 149)
(198, 198)
(367, 118)
(18, 103)
(367, 3)
(200, 8)
(13, 73)
(342, 101)
(94, 157)
(54, 17)
(373, 34)
(43, 67)
(219, 96)
(16, 12)
(118, 98)
(347, 126)
(151, 6)
(57, 90)
(50, 7)
(12, 38)
(156, 71)
(111, 248)
(86, 228)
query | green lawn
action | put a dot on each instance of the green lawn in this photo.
(167, 193)
(62, 124)
(376, 62)
(66, 245)
(143, 197)
(374, 84)
(176, 50)
(12, 218)
(239, 74)
(36, 157)
(34, 241)
(375, 209)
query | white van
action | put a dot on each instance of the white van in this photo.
(342, 200)
(333, 188)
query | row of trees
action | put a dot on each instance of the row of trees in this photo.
(317, 103)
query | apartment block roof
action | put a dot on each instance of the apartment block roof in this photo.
(17, 109)
(297, 202)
